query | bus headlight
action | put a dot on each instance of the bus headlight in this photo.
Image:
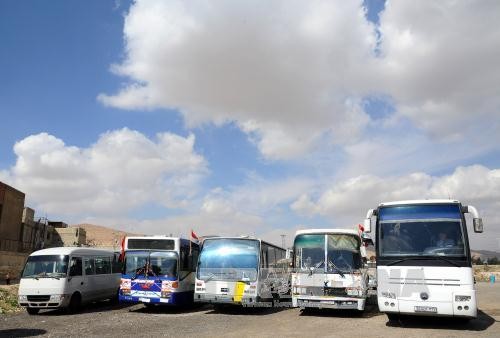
(23, 298)
(125, 292)
(459, 298)
(56, 298)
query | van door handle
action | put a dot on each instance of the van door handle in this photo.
(81, 283)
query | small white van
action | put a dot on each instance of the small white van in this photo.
(68, 277)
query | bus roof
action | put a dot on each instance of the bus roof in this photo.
(243, 237)
(152, 237)
(68, 250)
(327, 231)
(435, 201)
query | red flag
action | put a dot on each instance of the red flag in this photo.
(361, 228)
(122, 251)
(194, 236)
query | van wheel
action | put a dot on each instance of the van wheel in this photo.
(75, 303)
(32, 310)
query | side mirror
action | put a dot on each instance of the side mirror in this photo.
(367, 239)
(478, 224)
(367, 224)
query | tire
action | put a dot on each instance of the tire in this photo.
(32, 310)
(393, 317)
(75, 303)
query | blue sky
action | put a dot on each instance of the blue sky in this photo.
(235, 118)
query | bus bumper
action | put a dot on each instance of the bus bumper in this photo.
(462, 304)
(318, 302)
(229, 299)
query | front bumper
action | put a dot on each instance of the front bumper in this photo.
(319, 302)
(229, 299)
(50, 303)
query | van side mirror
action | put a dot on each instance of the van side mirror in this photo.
(367, 225)
(478, 224)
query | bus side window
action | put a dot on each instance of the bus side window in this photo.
(195, 251)
(264, 263)
(75, 267)
(116, 265)
(89, 266)
(184, 263)
(102, 265)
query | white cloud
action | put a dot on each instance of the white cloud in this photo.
(286, 72)
(440, 61)
(290, 73)
(121, 171)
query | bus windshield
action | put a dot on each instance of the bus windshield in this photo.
(46, 266)
(310, 251)
(154, 263)
(342, 252)
(229, 259)
(432, 230)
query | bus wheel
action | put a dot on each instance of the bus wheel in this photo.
(393, 317)
(32, 310)
(75, 303)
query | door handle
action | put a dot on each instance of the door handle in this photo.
(81, 283)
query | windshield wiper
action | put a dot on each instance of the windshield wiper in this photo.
(330, 263)
(426, 258)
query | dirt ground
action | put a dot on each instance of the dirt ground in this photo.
(105, 320)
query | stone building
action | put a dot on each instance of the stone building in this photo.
(11, 212)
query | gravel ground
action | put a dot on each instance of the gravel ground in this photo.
(105, 320)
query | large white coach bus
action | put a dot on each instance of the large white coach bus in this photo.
(423, 258)
(242, 271)
(68, 277)
(329, 269)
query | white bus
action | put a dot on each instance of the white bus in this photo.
(158, 270)
(423, 258)
(329, 269)
(68, 277)
(242, 271)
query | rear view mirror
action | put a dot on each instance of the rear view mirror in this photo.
(367, 225)
(478, 224)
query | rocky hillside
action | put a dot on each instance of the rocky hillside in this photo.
(101, 236)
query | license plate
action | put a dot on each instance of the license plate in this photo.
(163, 300)
(144, 300)
(224, 290)
(431, 309)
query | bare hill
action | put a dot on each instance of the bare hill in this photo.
(101, 236)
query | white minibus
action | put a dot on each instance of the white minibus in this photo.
(68, 277)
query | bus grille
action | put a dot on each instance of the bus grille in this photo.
(38, 298)
(335, 292)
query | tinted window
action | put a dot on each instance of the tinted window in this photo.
(75, 267)
(88, 263)
(102, 265)
(149, 243)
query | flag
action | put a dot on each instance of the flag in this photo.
(122, 250)
(194, 237)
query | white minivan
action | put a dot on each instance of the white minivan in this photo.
(68, 277)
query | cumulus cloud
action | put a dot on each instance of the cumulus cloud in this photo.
(441, 64)
(286, 71)
(347, 201)
(123, 170)
(290, 73)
